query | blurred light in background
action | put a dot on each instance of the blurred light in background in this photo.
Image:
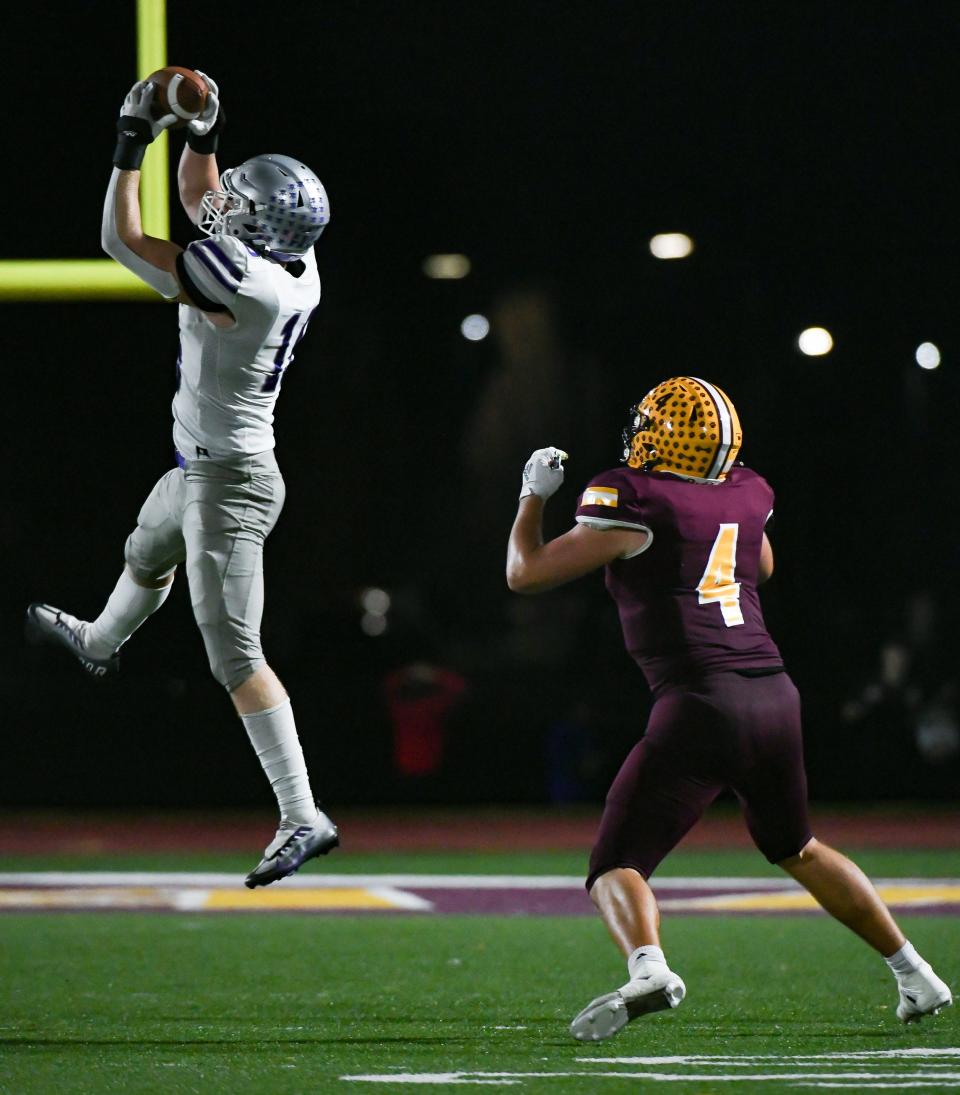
(376, 601)
(372, 624)
(375, 604)
(475, 328)
(815, 341)
(446, 267)
(671, 245)
(927, 355)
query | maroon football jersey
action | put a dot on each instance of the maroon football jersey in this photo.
(688, 601)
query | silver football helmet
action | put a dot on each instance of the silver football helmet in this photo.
(274, 203)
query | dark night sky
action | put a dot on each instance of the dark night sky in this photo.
(808, 148)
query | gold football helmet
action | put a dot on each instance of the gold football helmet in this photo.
(684, 426)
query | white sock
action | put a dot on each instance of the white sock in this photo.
(128, 606)
(642, 955)
(273, 735)
(906, 960)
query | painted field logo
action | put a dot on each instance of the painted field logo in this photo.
(426, 894)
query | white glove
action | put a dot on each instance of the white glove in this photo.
(543, 473)
(208, 116)
(137, 104)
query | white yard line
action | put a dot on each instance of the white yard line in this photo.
(858, 1080)
(908, 1053)
(924, 1068)
(861, 1086)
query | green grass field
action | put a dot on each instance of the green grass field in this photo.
(260, 1003)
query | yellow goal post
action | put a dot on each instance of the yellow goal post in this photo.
(102, 278)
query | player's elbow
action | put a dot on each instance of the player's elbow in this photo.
(108, 241)
(516, 581)
(190, 201)
(113, 242)
(523, 579)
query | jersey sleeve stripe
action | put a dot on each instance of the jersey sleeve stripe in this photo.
(196, 295)
(224, 258)
(228, 284)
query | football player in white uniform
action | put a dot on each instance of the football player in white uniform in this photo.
(246, 295)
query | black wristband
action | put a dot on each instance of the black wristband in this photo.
(207, 144)
(133, 136)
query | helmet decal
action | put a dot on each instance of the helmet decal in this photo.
(685, 426)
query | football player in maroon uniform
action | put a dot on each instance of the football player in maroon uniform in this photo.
(680, 530)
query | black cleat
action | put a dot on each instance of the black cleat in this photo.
(51, 625)
(291, 848)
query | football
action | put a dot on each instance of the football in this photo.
(180, 91)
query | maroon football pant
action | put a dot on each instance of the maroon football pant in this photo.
(726, 731)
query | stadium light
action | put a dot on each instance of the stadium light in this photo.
(671, 245)
(815, 341)
(375, 601)
(474, 328)
(102, 278)
(446, 267)
(927, 355)
(373, 624)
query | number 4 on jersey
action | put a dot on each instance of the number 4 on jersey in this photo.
(718, 582)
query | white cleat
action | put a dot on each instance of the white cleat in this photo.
(292, 847)
(55, 626)
(658, 990)
(921, 993)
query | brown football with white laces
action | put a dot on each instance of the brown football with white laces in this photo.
(179, 91)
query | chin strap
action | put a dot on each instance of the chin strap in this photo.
(161, 280)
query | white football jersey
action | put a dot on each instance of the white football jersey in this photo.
(229, 377)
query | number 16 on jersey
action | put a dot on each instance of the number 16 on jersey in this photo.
(719, 579)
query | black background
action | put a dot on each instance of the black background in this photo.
(808, 149)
